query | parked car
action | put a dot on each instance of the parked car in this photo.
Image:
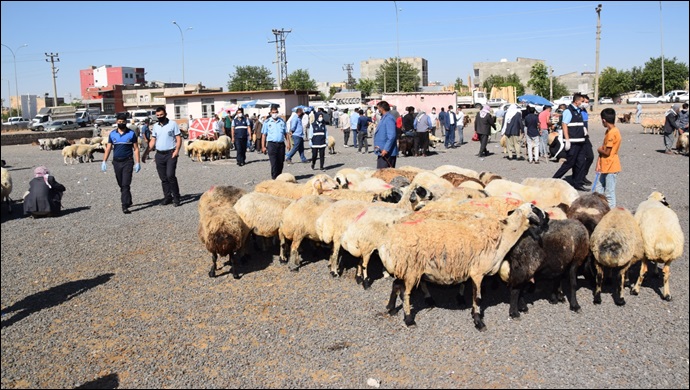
(106, 120)
(16, 120)
(605, 100)
(676, 96)
(563, 100)
(496, 102)
(645, 98)
(61, 125)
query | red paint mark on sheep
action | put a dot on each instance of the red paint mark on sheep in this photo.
(413, 222)
(360, 215)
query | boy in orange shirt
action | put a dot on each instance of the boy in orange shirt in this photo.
(609, 164)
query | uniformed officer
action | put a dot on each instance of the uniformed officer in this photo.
(167, 140)
(241, 127)
(273, 136)
(125, 144)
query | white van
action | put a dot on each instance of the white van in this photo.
(140, 115)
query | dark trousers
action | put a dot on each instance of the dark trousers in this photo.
(588, 153)
(166, 167)
(123, 174)
(241, 148)
(346, 136)
(362, 138)
(483, 140)
(321, 152)
(575, 160)
(421, 141)
(450, 136)
(386, 162)
(276, 155)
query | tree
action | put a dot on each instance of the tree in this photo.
(299, 80)
(539, 80)
(409, 77)
(460, 87)
(500, 81)
(251, 78)
(366, 86)
(559, 89)
(613, 82)
(332, 91)
(675, 74)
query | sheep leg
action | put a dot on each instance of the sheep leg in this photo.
(428, 299)
(333, 262)
(515, 293)
(667, 275)
(476, 312)
(234, 263)
(407, 307)
(572, 279)
(366, 281)
(214, 257)
(618, 294)
(395, 290)
(283, 247)
(294, 254)
(635, 290)
(598, 283)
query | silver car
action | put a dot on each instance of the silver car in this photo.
(645, 98)
(61, 125)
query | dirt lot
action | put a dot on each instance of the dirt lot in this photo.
(99, 299)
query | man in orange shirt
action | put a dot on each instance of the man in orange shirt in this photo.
(609, 164)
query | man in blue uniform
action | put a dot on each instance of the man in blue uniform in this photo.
(125, 146)
(167, 140)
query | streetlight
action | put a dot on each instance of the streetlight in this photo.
(182, 35)
(16, 85)
(397, 38)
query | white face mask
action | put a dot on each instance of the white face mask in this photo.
(584, 105)
(433, 112)
(320, 119)
(240, 115)
(274, 115)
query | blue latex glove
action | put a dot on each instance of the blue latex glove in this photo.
(137, 167)
(104, 166)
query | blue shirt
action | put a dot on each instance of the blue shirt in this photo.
(354, 119)
(274, 129)
(296, 127)
(123, 144)
(385, 137)
(166, 135)
(363, 123)
(568, 116)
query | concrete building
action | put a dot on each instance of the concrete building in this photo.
(521, 67)
(368, 68)
(578, 82)
(31, 104)
(108, 75)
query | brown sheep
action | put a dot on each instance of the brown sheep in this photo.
(388, 174)
(589, 209)
(456, 179)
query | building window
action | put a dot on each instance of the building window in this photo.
(180, 108)
(476, 73)
(109, 107)
(207, 107)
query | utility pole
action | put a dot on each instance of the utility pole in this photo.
(53, 59)
(596, 76)
(350, 80)
(281, 55)
(551, 83)
(663, 74)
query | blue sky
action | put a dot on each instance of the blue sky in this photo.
(325, 36)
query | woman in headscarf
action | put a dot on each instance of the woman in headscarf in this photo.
(483, 124)
(44, 196)
(512, 129)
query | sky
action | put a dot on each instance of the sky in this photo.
(325, 36)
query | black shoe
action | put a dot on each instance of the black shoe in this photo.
(313, 168)
(586, 182)
(176, 203)
(126, 210)
(166, 201)
(521, 158)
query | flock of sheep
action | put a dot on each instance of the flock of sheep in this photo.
(447, 226)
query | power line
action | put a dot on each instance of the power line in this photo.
(53, 59)
(281, 55)
(350, 80)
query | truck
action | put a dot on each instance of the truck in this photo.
(86, 116)
(477, 100)
(325, 104)
(348, 99)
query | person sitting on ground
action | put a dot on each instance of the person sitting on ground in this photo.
(44, 198)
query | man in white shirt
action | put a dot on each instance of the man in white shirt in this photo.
(434, 120)
(344, 122)
(460, 117)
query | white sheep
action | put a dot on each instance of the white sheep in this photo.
(662, 238)
(70, 152)
(299, 222)
(348, 176)
(286, 177)
(443, 169)
(331, 144)
(449, 252)
(616, 243)
(540, 197)
(568, 193)
(85, 152)
(314, 186)
(262, 213)
(6, 188)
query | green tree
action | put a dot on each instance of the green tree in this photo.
(559, 89)
(539, 80)
(332, 91)
(300, 80)
(675, 74)
(366, 86)
(460, 87)
(613, 82)
(409, 77)
(251, 78)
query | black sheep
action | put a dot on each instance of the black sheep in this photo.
(552, 251)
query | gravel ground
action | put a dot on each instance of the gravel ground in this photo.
(96, 298)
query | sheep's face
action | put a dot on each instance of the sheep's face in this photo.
(659, 197)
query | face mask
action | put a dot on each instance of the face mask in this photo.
(584, 105)
(433, 111)
(240, 115)
(320, 119)
(121, 126)
(274, 115)
(162, 120)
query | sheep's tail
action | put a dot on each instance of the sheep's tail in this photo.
(504, 271)
(664, 248)
(610, 252)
